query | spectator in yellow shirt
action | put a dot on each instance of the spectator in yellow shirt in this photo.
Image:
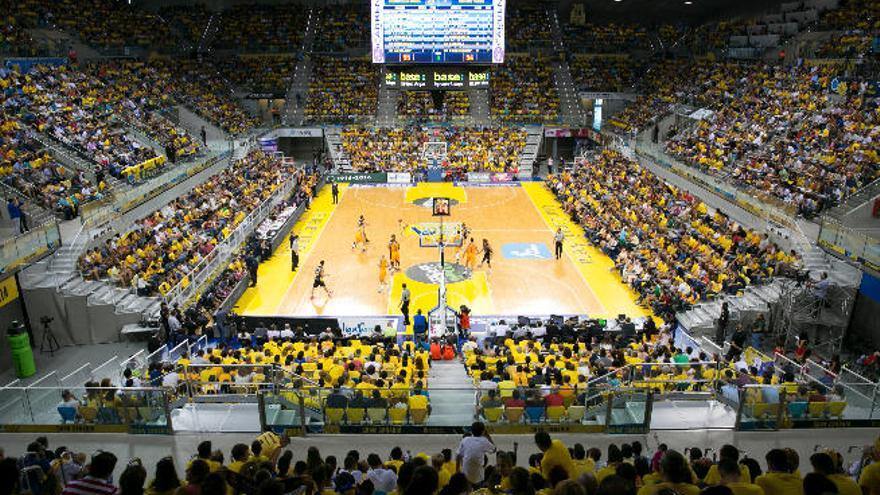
(676, 475)
(870, 478)
(730, 476)
(713, 477)
(582, 463)
(779, 479)
(824, 464)
(555, 454)
(240, 454)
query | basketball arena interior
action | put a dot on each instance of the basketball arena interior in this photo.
(266, 247)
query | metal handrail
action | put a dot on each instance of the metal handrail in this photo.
(199, 273)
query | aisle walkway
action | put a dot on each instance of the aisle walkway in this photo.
(452, 394)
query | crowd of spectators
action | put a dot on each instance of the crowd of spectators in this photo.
(164, 247)
(260, 28)
(660, 87)
(469, 149)
(607, 37)
(617, 74)
(419, 105)
(198, 319)
(847, 45)
(523, 90)
(75, 108)
(527, 25)
(107, 24)
(478, 465)
(785, 132)
(188, 20)
(200, 86)
(341, 27)
(27, 167)
(862, 15)
(665, 243)
(268, 74)
(341, 90)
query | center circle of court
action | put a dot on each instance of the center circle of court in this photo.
(430, 273)
(429, 202)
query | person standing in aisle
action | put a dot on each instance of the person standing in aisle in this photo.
(334, 191)
(558, 238)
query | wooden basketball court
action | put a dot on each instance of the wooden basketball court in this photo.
(518, 220)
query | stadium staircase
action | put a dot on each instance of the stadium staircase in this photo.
(292, 113)
(571, 112)
(782, 297)
(210, 32)
(386, 113)
(529, 155)
(340, 159)
(479, 110)
(79, 305)
(453, 396)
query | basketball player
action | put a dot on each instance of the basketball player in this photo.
(487, 254)
(362, 224)
(360, 236)
(394, 252)
(401, 225)
(319, 280)
(470, 255)
(383, 273)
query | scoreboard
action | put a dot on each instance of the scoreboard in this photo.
(439, 78)
(437, 31)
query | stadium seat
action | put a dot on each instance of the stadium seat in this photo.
(418, 416)
(333, 415)
(492, 414)
(835, 409)
(797, 409)
(513, 414)
(817, 409)
(760, 409)
(89, 414)
(555, 413)
(354, 415)
(377, 414)
(397, 415)
(535, 414)
(576, 413)
(68, 414)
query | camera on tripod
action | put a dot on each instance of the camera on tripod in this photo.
(49, 343)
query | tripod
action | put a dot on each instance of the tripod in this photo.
(49, 343)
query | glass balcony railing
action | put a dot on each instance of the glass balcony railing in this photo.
(229, 398)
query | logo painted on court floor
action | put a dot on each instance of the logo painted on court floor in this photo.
(526, 251)
(430, 273)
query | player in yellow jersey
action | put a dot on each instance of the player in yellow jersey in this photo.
(394, 252)
(470, 255)
(383, 273)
